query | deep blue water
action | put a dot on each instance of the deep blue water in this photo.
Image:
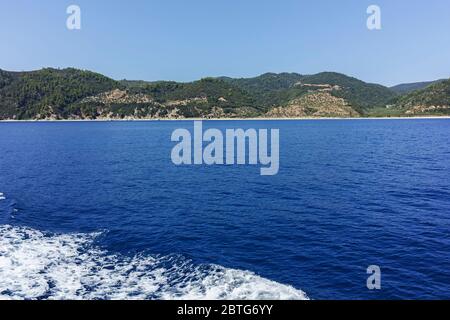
(349, 194)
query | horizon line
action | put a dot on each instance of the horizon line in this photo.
(223, 76)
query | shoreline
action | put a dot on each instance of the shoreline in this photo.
(226, 119)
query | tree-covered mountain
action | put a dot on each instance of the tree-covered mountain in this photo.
(361, 95)
(267, 89)
(272, 89)
(77, 94)
(405, 88)
(432, 100)
(46, 92)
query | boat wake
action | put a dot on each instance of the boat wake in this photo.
(36, 265)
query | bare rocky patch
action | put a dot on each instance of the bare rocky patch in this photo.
(318, 104)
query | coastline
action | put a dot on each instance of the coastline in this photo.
(226, 119)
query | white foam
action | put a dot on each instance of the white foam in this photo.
(34, 265)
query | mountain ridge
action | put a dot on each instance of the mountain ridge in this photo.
(409, 87)
(71, 93)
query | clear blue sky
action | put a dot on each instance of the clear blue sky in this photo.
(186, 40)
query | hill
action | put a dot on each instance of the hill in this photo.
(79, 94)
(432, 100)
(267, 89)
(406, 88)
(319, 104)
(274, 90)
(359, 94)
(47, 92)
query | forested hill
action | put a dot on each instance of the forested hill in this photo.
(47, 92)
(78, 94)
(405, 88)
(278, 89)
(432, 100)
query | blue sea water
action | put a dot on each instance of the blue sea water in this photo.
(98, 210)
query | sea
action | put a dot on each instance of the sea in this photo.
(97, 210)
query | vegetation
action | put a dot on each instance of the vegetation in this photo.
(29, 94)
(434, 99)
(363, 96)
(278, 89)
(406, 88)
(214, 90)
(77, 94)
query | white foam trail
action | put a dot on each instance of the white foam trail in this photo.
(34, 265)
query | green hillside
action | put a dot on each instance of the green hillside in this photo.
(434, 99)
(358, 93)
(25, 95)
(279, 89)
(78, 94)
(406, 88)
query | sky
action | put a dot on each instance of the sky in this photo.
(187, 40)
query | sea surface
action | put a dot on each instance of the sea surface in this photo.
(97, 210)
